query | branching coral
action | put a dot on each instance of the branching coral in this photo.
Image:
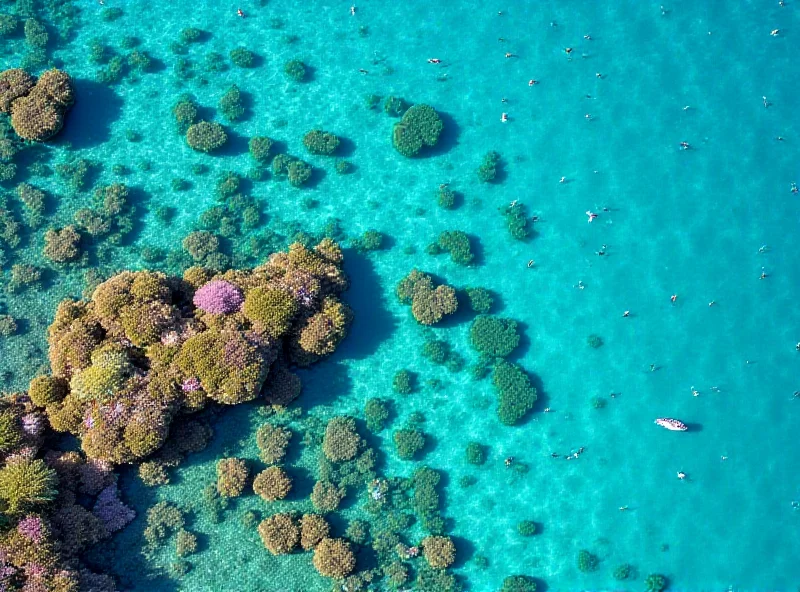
(493, 336)
(515, 394)
(231, 476)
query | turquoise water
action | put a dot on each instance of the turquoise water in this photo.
(679, 222)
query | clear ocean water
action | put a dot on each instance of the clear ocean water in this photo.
(671, 221)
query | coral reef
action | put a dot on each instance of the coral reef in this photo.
(587, 561)
(272, 442)
(272, 484)
(655, 583)
(320, 142)
(419, 127)
(232, 475)
(493, 336)
(279, 533)
(457, 244)
(333, 558)
(515, 394)
(487, 171)
(518, 584)
(428, 304)
(37, 108)
(480, 300)
(147, 348)
(205, 136)
(439, 551)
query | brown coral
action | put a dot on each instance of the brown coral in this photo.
(313, 528)
(279, 533)
(231, 476)
(333, 558)
(272, 484)
(439, 551)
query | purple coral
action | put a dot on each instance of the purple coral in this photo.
(111, 510)
(32, 424)
(31, 528)
(218, 297)
(95, 475)
(190, 385)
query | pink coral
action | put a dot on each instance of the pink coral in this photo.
(111, 510)
(218, 297)
(95, 475)
(32, 424)
(190, 385)
(31, 528)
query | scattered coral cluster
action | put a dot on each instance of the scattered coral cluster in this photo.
(37, 107)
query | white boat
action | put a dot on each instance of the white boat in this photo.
(671, 424)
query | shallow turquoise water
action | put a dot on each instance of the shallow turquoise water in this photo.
(679, 222)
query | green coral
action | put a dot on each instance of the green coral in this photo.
(403, 382)
(487, 171)
(320, 142)
(516, 395)
(457, 244)
(518, 584)
(204, 356)
(271, 308)
(587, 561)
(230, 104)
(493, 336)
(655, 583)
(419, 127)
(526, 528)
(260, 147)
(408, 442)
(622, 572)
(516, 220)
(480, 300)
(295, 70)
(243, 58)
(106, 376)
(376, 413)
(475, 453)
(205, 136)
(26, 484)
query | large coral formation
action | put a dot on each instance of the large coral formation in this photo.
(147, 348)
(37, 108)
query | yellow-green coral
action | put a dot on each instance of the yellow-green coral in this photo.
(45, 390)
(230, 368)
(26, 484)
(270, 308)
(110, 368)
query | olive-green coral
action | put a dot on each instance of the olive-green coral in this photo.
(271, 308)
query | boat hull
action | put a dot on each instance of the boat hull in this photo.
(673, 425)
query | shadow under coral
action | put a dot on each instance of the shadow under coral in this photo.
(88, 122)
